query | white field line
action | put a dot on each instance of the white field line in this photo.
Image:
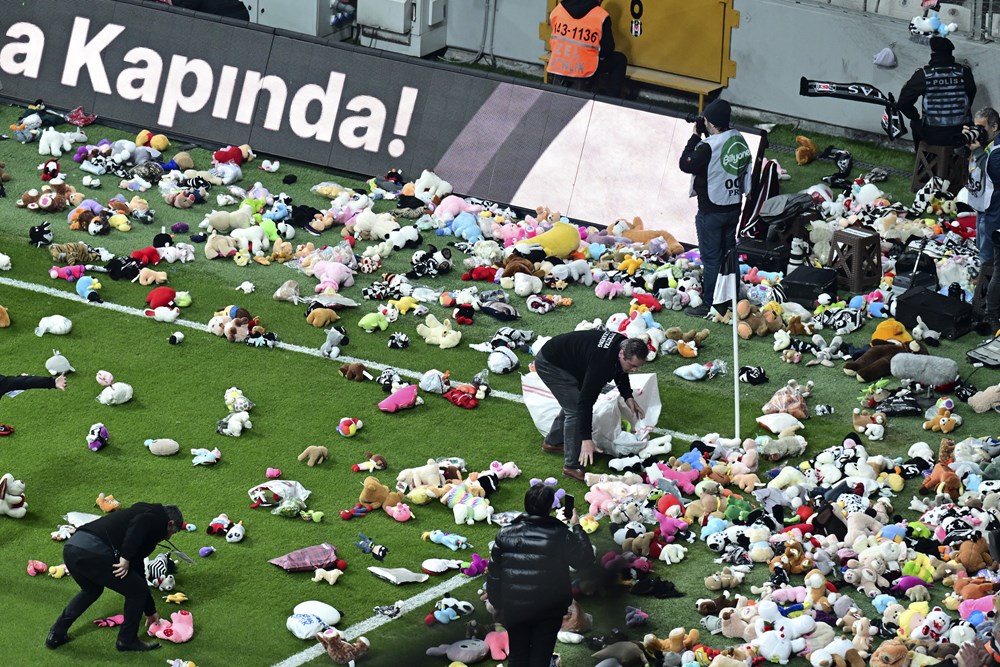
(311, 351)
(375, 621)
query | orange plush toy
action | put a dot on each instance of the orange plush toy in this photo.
(638, 233)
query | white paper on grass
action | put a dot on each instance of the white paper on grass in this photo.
(608, 412)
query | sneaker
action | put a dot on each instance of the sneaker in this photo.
(700, 311)
(136, 646)
(55, 640)
(575, 473)
(552, 449)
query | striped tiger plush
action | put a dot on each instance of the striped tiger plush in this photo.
(77, 252)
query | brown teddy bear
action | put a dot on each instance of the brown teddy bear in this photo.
(806, 151)
(876, 362)
(314, 455)
(891, 653)
(794, 560)
(236, 331)
(518, 264)
(4, 174)
(376, 494)
(946, 450)
(944, 421)
(971, 588)
(974, 555)
(322, 317)
(355, 372)
(944, 477)
(4, 318)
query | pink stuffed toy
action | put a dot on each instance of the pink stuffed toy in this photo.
(401, 399)
(400, 512)
(333, 273)
(669, 526)
(744, 462)
(69, 273)
(507, 470)
(452, 205)
(179, 629)
(609, 289)
(685, 478)
(498, 643)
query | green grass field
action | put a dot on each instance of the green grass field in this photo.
(238, 600)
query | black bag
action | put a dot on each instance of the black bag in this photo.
(914, 268)
(779, 212)
(951, 317)
(806, 283)
(765, 255)
(987, 354)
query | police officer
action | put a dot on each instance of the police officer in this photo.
(719, 166)
(583, 47)
(948, 90)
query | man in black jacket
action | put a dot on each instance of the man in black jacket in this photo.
(18, 383)
(575, 367)
(948, 90)
(109, 553)
(528, 581)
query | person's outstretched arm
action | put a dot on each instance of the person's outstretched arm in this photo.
(22, 382)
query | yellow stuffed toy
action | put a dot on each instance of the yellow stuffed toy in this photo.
(630, 264)
(891, 330)
(561, 241)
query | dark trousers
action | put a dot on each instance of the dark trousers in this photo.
(566, 390)
(716, 237)
(613, 67)
(90, 563)
(531, 643)
(993, 290)
(611, 70)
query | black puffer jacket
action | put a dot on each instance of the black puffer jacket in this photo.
(528, 577)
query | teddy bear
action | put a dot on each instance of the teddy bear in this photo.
(942, 479)
(355, 372)
(225, 221)
(314, 455)
(943, 422)
(12, 501)
(219, 245)
(375, 494)
(806, 151)
(426, 475)
(840, 652)
(339, 649)
(439, 333)
(974, 555)
(890, 653)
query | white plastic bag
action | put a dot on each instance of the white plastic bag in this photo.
(608, 412)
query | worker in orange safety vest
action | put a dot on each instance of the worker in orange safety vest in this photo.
(582, 45)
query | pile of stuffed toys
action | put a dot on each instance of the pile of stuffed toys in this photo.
(822, 527)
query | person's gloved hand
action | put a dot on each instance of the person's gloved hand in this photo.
(699, 126)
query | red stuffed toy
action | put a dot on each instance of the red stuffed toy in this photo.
(161, 296)
(648, 300)
(235, 154)
(485, 273)
(147, 255)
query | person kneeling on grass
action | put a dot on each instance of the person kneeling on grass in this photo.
(18, 383)
(575, 366)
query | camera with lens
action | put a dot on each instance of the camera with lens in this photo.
(699, 123)
(972, 134)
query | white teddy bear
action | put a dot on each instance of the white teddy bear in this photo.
(116, 394)
(235, 423)
(12, 501)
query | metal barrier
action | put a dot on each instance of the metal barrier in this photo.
(978, 19)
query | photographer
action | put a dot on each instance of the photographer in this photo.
(984, 198)
(719, 166)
